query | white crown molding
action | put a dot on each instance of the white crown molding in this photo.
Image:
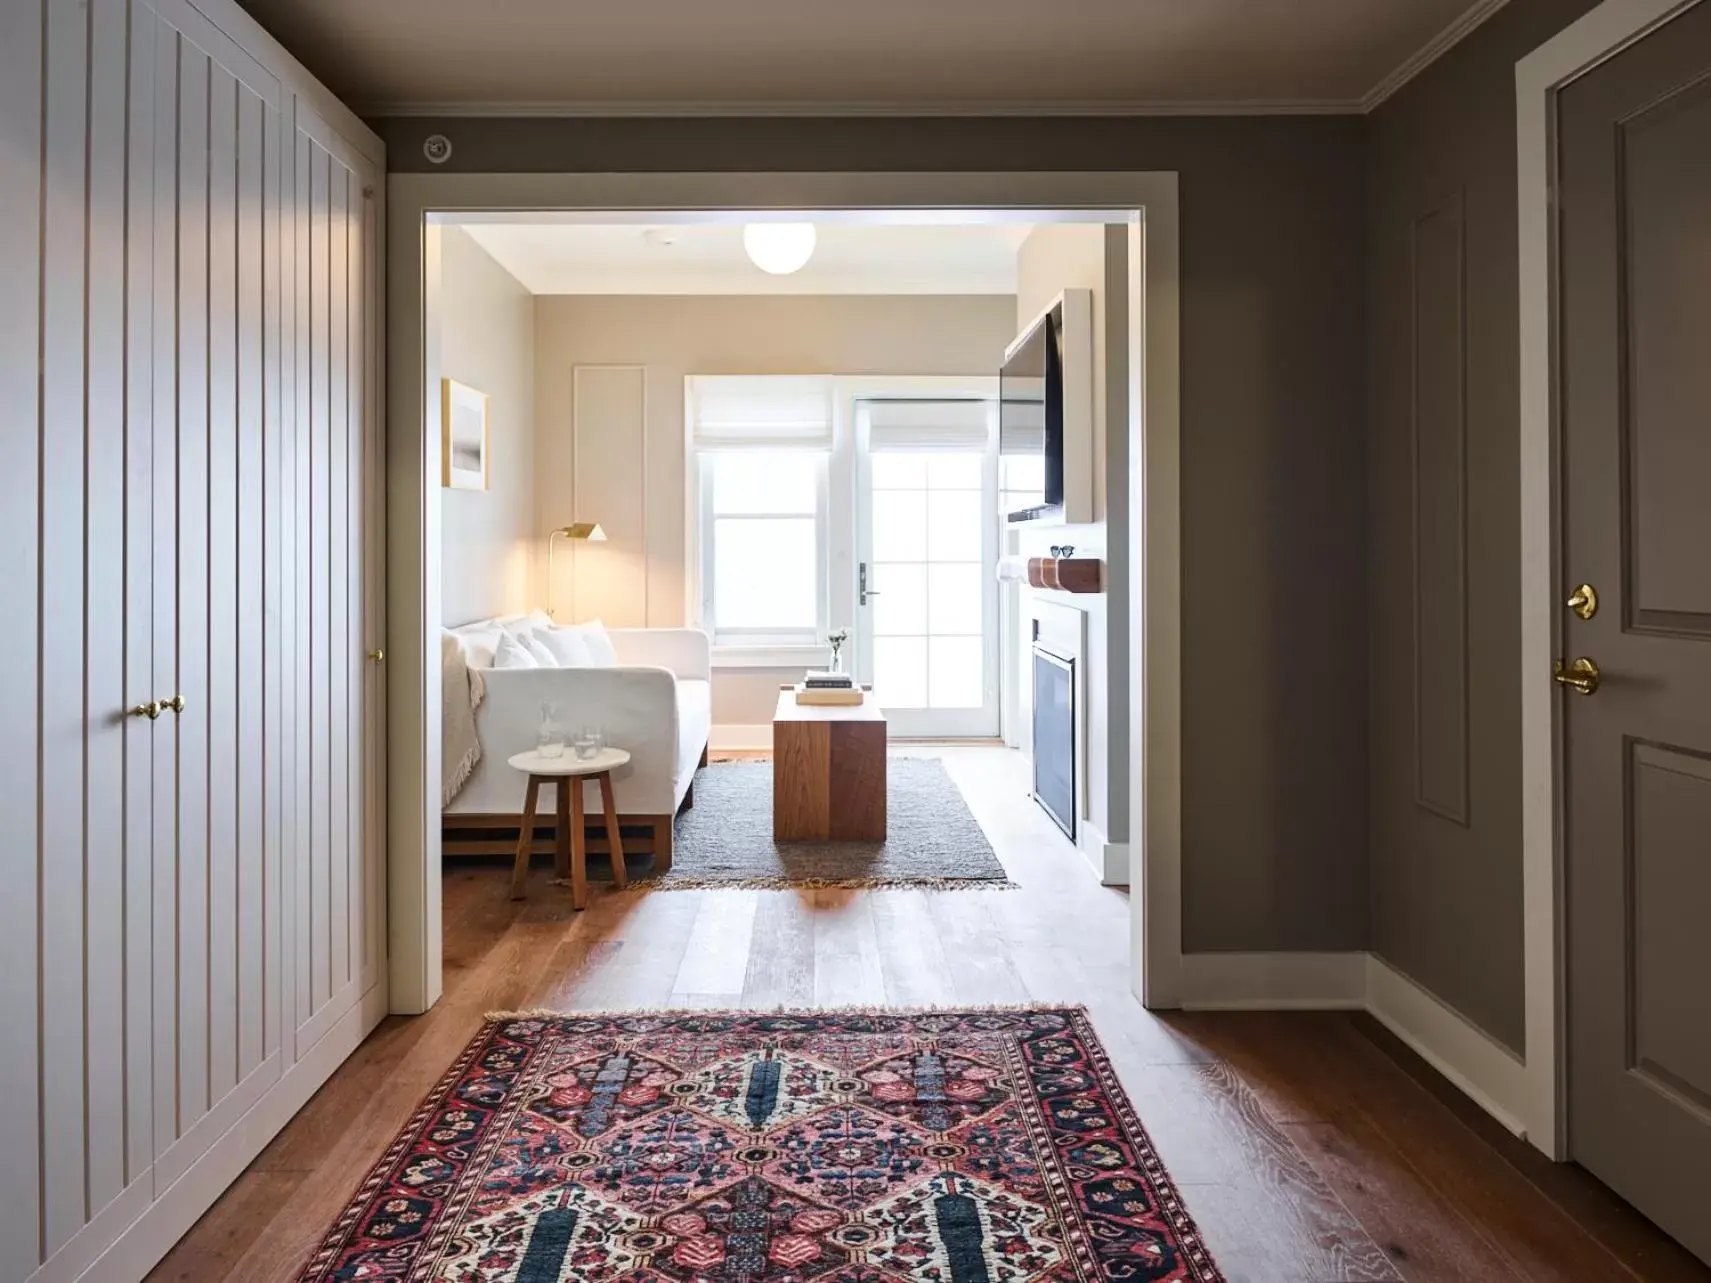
(1430, 52)
(835, 111)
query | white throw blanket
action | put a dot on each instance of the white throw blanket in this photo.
(461, 691)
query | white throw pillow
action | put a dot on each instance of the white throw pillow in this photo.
(567, 646)
(510, 653)
(542, 655)
(600, 650)
(539, 620)
(479, 645)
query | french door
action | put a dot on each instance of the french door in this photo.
(926, 575)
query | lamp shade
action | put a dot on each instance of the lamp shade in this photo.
(589, 530)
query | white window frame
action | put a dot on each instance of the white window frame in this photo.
(762, 647)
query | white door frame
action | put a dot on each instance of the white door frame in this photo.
(1539, 77)
(850, 393)
(1146, 202)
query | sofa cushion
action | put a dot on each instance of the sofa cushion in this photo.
(537, 649)
(567, 647)
(511, 653)
(479, 642)
(589, 642)
(694, 724)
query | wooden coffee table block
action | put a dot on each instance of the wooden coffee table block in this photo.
(828, 772)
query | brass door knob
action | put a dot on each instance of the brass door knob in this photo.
(378, 656)
(1582, 675)
(176, 703)
(150, 710)
(1583, 601)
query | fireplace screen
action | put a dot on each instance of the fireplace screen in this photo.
(1054, 737)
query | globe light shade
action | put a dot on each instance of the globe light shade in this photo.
(779, 248)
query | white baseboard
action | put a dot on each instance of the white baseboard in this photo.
(737, 736)
(1110, 860)
(1492, 1075)
(1273, 981)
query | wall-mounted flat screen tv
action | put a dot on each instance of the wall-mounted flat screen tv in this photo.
(1030, 417)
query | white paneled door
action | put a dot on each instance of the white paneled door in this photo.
(191, 927)
(926, 575)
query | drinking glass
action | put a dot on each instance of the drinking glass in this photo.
(588, 742)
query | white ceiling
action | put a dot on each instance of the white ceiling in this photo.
(782, 56)
(562, 258)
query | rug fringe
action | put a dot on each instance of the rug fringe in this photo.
(813, 884)
(552, 1013)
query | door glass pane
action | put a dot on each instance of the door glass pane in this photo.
(900, 606)
(900, 671)
(898, 469)
(953, 525)
(954, 605)
(954, 672)
(763, 573)
(958, 471)
(899, 525)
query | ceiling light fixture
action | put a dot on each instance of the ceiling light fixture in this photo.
(779, 248)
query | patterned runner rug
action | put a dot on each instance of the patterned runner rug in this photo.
(989, 1146)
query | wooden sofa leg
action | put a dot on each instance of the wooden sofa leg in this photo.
(662, 838)
(688, 800)
(705, 750)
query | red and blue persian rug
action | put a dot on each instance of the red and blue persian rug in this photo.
(842, 1147)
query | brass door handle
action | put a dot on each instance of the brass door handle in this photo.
(176, 703)
(150, 710)
(1583, 601)
(1582, 675)
(378, 656)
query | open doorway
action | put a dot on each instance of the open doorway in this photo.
(900, 489)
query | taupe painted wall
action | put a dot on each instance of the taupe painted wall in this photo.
(674, 336)
(1274, 454)
(1446, 821)
(487, 340)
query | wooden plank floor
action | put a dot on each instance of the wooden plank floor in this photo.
(1310, 1147)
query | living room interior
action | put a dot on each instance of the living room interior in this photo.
(798, 644)
(863, 501)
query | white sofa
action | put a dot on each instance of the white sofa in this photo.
(656, 702)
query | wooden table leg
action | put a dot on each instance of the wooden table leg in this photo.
(562, 833)
(525, 840)
(578, 846)
(620, 875)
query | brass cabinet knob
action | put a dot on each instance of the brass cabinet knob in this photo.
(150, 710)
(1582, 675)
(1583, 601)
(176, 703)
(378, 656)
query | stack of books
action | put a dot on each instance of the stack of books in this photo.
(828, 688)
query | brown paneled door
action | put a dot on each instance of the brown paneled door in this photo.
(1635, 202)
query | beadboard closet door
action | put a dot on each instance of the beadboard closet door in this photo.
(75, 776)
(339, 895)
(217, 369)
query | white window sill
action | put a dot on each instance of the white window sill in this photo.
(803, 657)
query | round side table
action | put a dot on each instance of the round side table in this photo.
(566, 773)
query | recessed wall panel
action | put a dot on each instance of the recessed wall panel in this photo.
(1439, 414)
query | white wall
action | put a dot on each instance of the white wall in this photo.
(487, 340)
(630, 444)
(1053, 258)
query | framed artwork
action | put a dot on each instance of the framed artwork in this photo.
(463, 452)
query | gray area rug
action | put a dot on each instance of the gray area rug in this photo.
(725, 839)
